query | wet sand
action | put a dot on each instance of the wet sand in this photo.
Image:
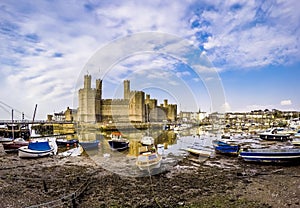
(219, 182)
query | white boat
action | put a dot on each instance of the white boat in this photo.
(77, 151)
(147, 140)
(274, 134)
(296, 141)
(198, 149)
(37, 149)
(148, 159)
(5, 139)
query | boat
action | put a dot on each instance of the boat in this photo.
(67, 142)
(297, 135)
(117, 142)
(90, 145)
(147, 140)
(296, 141)
(198, 149)
(224, 148)
(5, 139)
(38, 149)
(14, 145)
(274, 134)
(271, 155)
(148, 158)
(76, 151)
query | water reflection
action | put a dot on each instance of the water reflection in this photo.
(171, 145)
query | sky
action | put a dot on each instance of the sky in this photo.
(234, 56)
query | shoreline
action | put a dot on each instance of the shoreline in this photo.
(219, 182)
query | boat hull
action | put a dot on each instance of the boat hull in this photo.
(274, 137)
(148, 162)
(24, 152)
(227, 149)
(13, 146)
(270, 155)
(66, 143)
(90, 145)
(118, 145)
(200, 152)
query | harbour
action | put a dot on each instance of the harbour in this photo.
(105, 177)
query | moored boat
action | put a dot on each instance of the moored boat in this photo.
(197, 149)
(271, 155)
(147, 140)
(90, 145)
(66, 142)
(296, 141)
(14, 145)
(274, 134)
(224, 148)
(37, 149)
(148, 159)
(117, 142)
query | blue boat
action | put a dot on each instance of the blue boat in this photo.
(38, 149)
(227, 149)
(90, 145)
(271, 155)
(224, 148)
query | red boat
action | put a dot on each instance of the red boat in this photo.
(14, 145)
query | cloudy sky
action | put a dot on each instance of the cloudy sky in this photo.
(252, 48)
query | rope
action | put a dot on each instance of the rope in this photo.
(67, 198)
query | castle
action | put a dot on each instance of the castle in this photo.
(134, 107)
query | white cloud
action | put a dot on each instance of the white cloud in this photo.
(286, 102)
(32, 33)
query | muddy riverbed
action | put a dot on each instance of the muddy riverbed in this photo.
(79, 182)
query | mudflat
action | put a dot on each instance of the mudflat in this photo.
(79, 182)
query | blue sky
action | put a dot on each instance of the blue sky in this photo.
(253, 46)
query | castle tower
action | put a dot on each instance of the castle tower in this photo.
(98, 99)
(86, 108)
(126, 89)
(165, 103)
(87, 81)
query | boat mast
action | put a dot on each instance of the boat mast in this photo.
(12, 122)
(33, 117)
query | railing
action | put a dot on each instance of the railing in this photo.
(3, 122)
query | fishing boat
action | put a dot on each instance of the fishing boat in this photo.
(148, 158)
(271, 155)
(224, 148)
(147, 140)
(117, 142)
(38, 149)
(90, 145)
(14, 145)
(274, 134)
